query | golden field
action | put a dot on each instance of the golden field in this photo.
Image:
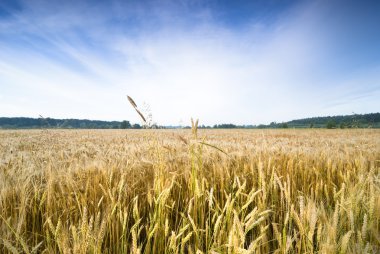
(172, 191)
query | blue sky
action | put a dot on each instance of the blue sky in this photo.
(242, 62)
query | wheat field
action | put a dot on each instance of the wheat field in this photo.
(178, 191)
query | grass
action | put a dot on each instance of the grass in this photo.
(206, 191)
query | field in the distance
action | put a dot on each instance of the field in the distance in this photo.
(226, 191)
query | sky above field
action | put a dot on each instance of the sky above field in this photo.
(242, 62)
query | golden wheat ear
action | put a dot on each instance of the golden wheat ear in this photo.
(194, 127)
(133, 103)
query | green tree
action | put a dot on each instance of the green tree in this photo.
(136, 126)
(125, 125)
(330, 124)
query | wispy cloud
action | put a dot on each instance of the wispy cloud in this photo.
(80, 60)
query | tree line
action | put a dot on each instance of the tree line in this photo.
(331, 122)
(36, 123)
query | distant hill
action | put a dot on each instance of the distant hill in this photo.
(348, 121)
(371, 120)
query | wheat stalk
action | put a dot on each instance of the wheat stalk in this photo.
(135, 107)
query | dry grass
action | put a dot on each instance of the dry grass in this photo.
(290, 191)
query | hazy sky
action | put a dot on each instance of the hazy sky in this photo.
(242, 62)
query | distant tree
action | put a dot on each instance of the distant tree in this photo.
(330, 124)
(136, 126)
(224, 126)
(311, 125)
(284, 125)
(65, 124)
(125, 125)
(342, 125)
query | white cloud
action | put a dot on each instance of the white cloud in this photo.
(254, 75)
